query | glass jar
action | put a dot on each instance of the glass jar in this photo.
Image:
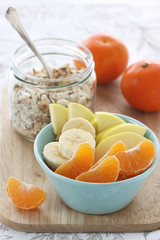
(30, 94)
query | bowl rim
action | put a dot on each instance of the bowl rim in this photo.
(126, 181)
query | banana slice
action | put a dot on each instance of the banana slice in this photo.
(79, 123)
(71, 139)
(52, 156)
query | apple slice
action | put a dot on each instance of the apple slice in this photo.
(130, 139)
(59, 116)
(94, 123)
(126, 127)
(106, 120)
(78, 110)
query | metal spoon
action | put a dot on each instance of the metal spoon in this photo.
(12, 17)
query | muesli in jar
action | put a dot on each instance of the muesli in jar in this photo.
(30, 105)
(31, 91)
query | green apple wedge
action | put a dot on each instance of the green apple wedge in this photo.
(126, 127)
(105, 120)
(59, 116)
(94, 123)
(78, 110)
(130, 139)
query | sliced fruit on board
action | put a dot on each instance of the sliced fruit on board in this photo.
(105, 120)
(126, 127)
(52, 157)
(59, 116)
(78, 110)
(117, 147)
(25, 196)
(79, 123)
(106, 171)
(70, 140)
(130, 139)
(138, 159)
(79, 163)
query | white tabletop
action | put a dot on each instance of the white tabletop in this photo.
(136, 23)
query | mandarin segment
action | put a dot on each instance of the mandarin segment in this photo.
(106, 171)
(79, 163)
(123, 177)
(137, 159)
(25, 196)
(117, 147)
(130, 139)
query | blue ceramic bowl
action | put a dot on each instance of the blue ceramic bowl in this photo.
(94, 198)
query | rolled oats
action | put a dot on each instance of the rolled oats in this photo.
(30, 104)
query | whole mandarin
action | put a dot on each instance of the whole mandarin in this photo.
(110, 56)
(140, 85)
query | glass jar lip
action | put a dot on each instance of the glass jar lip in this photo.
(84, 71)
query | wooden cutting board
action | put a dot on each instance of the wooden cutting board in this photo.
(17, 159)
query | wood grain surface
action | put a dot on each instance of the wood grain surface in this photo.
(17, 159)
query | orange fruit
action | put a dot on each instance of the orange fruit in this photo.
(79, 65)
(123, 177)
(138, 159)
(110, 56)
(140, 85)
(25, 196)
(79, 163)
(106, 171)
(117, 147)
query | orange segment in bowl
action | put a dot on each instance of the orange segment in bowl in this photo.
(123, 177)
(106, 171)
(130, 139)
(25, 196)
(117, 147)
(138, 159)
(79, 163)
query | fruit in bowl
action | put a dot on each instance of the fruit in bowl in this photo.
(91, 177)
(73, 126)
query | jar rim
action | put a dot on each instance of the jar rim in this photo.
(61, 40)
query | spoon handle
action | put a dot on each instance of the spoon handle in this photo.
(12, 17)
